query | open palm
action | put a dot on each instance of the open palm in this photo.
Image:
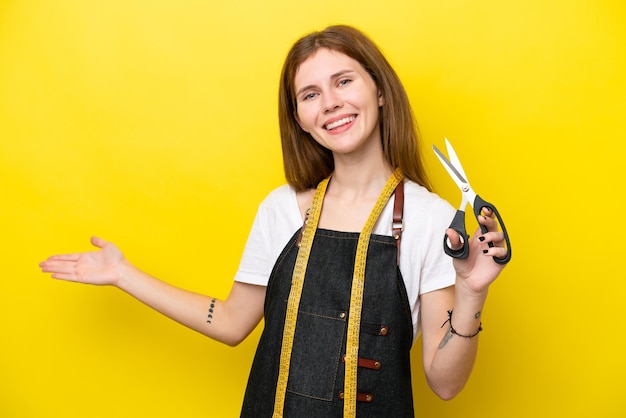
(101, 267)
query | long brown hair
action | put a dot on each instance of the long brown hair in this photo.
(306, 162)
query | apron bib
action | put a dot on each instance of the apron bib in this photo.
(316, 374)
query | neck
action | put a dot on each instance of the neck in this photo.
(359, 179)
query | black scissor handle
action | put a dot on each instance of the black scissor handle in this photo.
(458, 224)
(479, 204)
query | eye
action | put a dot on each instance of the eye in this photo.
(344, 81)
(307, 96)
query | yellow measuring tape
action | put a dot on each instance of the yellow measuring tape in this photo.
(356, 297)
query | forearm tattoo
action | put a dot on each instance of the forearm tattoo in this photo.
(446, 338)
(211, 308)
(449, 332)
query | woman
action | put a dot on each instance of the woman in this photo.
(345, 275)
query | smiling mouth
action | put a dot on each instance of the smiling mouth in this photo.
(339, 123)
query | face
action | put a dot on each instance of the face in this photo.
(338, 103)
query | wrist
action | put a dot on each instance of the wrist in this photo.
(469, 295)
(468, 307)
(126, 272)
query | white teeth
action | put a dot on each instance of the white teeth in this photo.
(340, 122)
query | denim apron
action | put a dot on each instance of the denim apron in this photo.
(316, 376)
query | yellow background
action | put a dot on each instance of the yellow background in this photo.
(153, 124)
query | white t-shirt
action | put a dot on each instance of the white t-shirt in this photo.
(424, 265)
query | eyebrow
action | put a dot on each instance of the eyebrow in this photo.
(332, 77)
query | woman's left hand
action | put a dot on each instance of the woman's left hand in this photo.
(479, 270)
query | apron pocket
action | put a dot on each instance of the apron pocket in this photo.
(316, 352)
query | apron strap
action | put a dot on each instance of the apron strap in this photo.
(306, 219)
(397, 224)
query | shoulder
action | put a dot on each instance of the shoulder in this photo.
(279, 197)
(418, 201)
(280, 203)
(422, 210)
(276, 221)
(290, 204)
(279, 213)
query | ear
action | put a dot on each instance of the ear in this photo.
(381, 100)
(295, 116)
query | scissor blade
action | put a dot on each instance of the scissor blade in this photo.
(454, 160)
(454, 173)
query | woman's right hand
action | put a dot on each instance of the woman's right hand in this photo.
(101, 267)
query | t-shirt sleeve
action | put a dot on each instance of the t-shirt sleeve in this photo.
(437, 269)
(424, 265)
(276, 221)
(254, 266)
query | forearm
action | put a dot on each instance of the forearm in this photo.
(217, 319)
(451, 362)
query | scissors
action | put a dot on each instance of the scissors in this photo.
(454, 168)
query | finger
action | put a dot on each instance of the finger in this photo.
(63, 257)
(65, 276)
(57, 263)
(58, 267)
(496, 237)
(498, 252)
(486, 211)
(98, 242)
(488, 221)
(454, 239)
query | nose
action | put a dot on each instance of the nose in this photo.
(331, 101)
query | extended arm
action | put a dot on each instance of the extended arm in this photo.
(228, 321)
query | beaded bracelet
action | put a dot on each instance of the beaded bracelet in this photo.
(453, 331)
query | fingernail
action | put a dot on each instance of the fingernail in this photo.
(485, 251)
(481, 239)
